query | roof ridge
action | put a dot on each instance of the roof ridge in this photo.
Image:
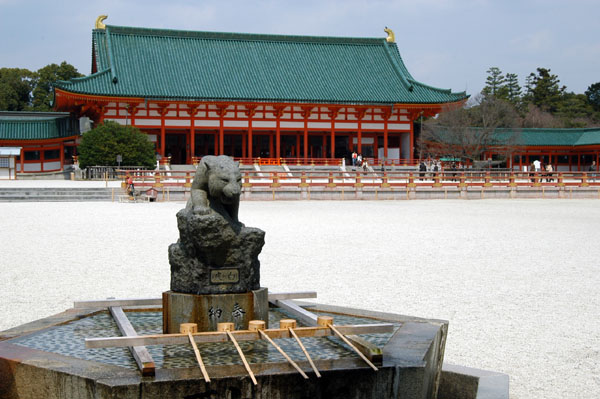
(561, 129)
(111, 58)
(40, 113)
(80, 79)
(438, 89)
(399, 73)
(411, 80)
(114, 29)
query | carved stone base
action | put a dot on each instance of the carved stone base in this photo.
(209, 309)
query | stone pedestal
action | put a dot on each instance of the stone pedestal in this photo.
(209, 309)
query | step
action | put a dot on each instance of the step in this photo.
(76, 194)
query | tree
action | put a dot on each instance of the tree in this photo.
(512, 88)
(468, 133)
(537, 118)
(101, 145)
(593, 96)
(575, 111)
(15, 88)
(24, 90)
(46, 76)
(492, 113)
(544, 90)
(494, 84)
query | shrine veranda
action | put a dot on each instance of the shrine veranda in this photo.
(516, 279)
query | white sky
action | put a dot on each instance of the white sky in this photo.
(444, 43)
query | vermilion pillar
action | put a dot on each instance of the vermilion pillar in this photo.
(278, 134)
(306, 111)
(221, 110)
(332, 149)
(305, 142)
(250, 138)
(221, 137)
(385, 139)
(192, 152)
(359, 115)
(411, 141)
(192, 143)
(162, 131)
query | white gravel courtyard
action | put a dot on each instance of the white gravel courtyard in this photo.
(519, 280)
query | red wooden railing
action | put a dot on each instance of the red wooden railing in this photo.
(379, 179)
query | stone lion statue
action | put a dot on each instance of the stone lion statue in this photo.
(211, 237)
(216, 187)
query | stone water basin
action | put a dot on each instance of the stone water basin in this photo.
(48, 359)
(69, 340)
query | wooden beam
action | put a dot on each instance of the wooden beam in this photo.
(140, 353)
(157, 302)
(354, 348)
(299, 313)
(198, 357)
(104, 303)
(240, 335)
(370, 350)
(309, 318)
(285, 355)
(241, 353)
(312, 364)
(274, 296)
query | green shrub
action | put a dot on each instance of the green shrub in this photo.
(101, 145)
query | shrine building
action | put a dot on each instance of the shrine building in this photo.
(46, 141)
(304, 98)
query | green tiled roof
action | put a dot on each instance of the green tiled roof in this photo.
(184, 65)
(547, 137)
(36, 126)
(558, 137)
(589, 137)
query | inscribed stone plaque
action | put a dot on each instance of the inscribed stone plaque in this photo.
(224, 276)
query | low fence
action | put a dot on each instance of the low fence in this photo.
(111, 172)
(324, 161)
(166, 185)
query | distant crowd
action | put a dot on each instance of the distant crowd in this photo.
(357, 160)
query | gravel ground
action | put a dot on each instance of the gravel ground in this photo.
(517, 279)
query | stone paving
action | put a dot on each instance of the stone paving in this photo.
(517, 279)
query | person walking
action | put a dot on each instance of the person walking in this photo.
(532, 171)
(130, 187)
(422, 170)
(549, 170)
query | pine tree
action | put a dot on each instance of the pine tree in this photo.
(593, 95)
(494, 82)
(513, 90)
(545, 91)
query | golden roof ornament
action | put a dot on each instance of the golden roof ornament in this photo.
(99, 24)
(390, 38)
